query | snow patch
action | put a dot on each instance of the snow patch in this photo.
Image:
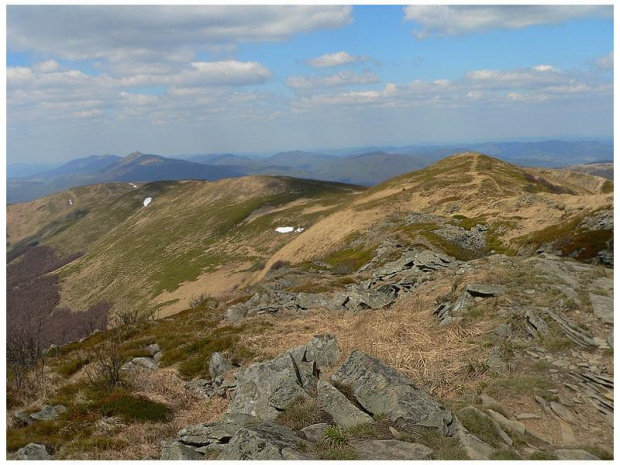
(147, 201)
(288, 229)
(70, 202)
(133, 185)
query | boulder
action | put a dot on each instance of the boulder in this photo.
(33, 451)
(49, 413)
(603, 307)
(335, 403)
(174, 450)
(219, 365)
(267, 441)
(382, 390)
(153, 349)
(475, 448)
(574, 454)
(334, 301)
(360, 299)
(390, 449)
(265, 389)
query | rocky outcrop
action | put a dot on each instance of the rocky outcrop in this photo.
(335, 403)
(390, 449)
(219, 365)
(381, 390)
(448, 312)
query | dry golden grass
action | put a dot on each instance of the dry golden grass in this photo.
(406, 337)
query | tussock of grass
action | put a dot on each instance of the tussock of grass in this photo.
(444, 448)
(540, 455)
(505, 455)
(481, 426)
(302, 412)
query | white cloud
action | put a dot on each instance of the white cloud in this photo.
(335, 80)
(605, 63)
(441, 20)
(47, 66)
(159, 33)
(335, 59)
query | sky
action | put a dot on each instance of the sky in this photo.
(84, 80)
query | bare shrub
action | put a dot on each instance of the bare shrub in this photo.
(126, 316)
(105, 367)
(202, 301)
(279, 264)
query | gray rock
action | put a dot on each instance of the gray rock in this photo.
(381, 390)
(265, 389)
(335, 403)
(503, 330)
(33, 451)
(267, 441)
(315, 433)
(153, 349)
(20, 419)
(359, 299)
(535, 325)
(563, 412)
(574, 454)
(484, 290)
(512, 425)
(500, 432)
(475, 448)
(572, 331)
(603, 307)
(236, 313)
(323, 349)
(145, 362)
(174, 450)
(462, 303)
(334, 301)
(216, 432)
(219, 365)
(488, 402)
(390, 449)
(49, 413)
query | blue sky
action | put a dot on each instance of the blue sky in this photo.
(171, 80)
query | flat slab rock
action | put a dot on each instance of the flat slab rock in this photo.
(485, 290)
(382, 390)
(49, 413)
(391, 449)
(174, 450)
(267, 441)
(574, 454)
(335, 403)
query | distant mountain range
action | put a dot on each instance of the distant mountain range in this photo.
(348, 165)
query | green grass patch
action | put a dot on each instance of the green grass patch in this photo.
(71, 367)
(505, 455)
(481, 426)
(444, 447)
(134, 408)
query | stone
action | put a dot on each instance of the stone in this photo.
(335, 403)
(571, 330)
(472, 445)
(484, 290)
(528, 416)
(563, 412)
(49, 413)
(323, 349)
(174, 450)
(145, 362)
(315, 433)
(334, 301)
(503, 330)
(267, 441)
(265, 389)
(500, 432)
(512, 425)
(33, 451)
(20, 419)
(381, 390)
(574, 454)
(219, 365)
(603, 307)
(488, 402)
(215, 432)
(360, 299)
(535, 325)
(153, 349)
(390, 449)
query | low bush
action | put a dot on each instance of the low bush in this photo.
(134, 408)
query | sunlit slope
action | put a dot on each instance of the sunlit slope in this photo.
(194, 237)
(467, 188)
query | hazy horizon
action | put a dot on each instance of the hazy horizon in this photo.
(90, 79)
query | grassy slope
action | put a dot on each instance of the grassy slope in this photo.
(471, 186)
(134, 253)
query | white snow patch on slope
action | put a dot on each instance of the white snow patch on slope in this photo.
(147, 201)
(70, 202)
(288, 229)
(133, 185)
